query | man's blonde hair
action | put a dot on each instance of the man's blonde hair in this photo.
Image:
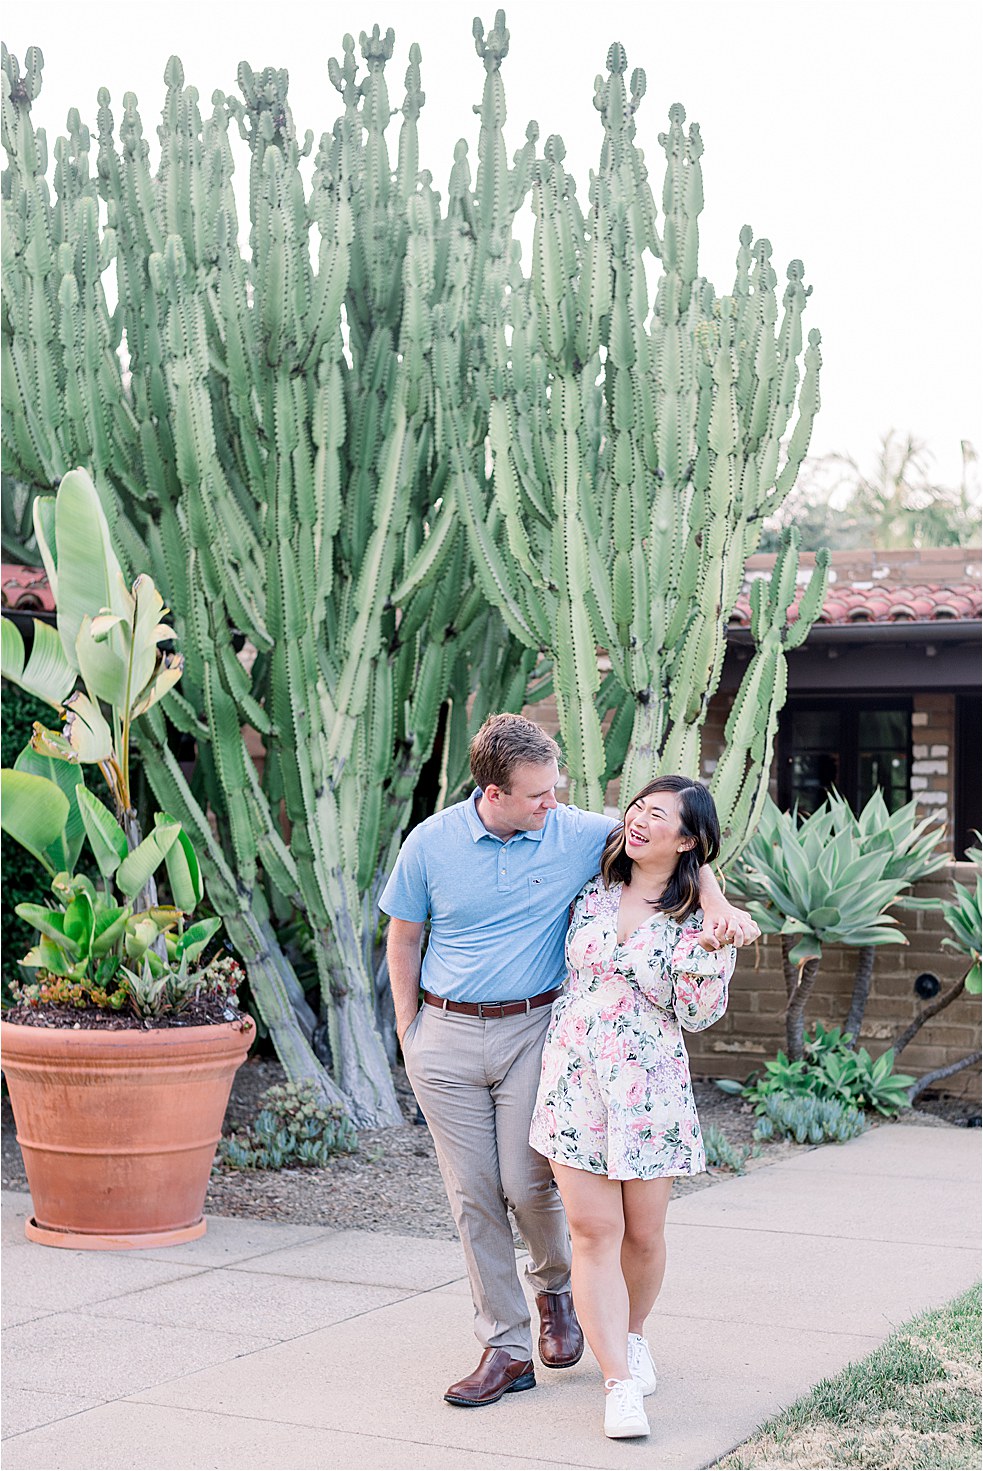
(505, 742)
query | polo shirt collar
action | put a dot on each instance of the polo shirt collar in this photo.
(478, 830)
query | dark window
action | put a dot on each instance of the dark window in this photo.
(969, 798)
(855, 746)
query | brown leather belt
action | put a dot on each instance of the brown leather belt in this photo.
(487, 1010)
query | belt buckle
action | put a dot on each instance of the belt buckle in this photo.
(493, 1006)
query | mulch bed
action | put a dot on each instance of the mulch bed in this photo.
(392, 1184)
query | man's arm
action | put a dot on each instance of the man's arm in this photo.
(403, 952)
(722, 923)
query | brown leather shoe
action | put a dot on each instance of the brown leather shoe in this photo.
(496, 1374)
(561, 1342)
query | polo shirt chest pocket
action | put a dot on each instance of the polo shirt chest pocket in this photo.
(547, 892)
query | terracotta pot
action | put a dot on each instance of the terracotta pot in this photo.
(119, 1129)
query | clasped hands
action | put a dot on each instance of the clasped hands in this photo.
(725, 925)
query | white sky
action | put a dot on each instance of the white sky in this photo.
(847, 133)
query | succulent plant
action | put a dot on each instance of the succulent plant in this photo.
(808, 1120)
(293, 1127)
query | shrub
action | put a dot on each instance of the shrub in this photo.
(830, 1071)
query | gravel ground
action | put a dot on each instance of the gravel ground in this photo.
(393, 1183)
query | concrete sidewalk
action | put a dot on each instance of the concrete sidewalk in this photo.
(295, 1346)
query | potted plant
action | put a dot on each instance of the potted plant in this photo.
(119, 1054)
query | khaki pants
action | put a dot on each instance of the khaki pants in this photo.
(476, 1083)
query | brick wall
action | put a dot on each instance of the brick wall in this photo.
(933, 779)
(754, 1027)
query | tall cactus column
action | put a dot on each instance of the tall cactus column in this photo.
(273, 445)
(635, 457)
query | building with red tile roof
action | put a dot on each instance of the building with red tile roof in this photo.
(885, 690)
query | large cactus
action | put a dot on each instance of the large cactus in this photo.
(293, 440)
(273, 437)
(635, 456)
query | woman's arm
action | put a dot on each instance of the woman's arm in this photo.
(700, 981)
(723, 924)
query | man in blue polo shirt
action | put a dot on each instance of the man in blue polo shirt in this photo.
(495, 876)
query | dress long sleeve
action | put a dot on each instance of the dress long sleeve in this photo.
(700, 980)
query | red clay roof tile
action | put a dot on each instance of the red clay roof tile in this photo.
(925, 603)
(25, 588)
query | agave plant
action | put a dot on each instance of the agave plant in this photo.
(912, 849)
(813, 883)
(101, 669)
(911, 845)
(963, 914)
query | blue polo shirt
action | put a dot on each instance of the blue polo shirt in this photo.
(497, 910)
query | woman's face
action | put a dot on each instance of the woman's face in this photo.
(652, 835)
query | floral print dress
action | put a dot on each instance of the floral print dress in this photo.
(615, 1095)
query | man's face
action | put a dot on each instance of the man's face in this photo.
(524, 808)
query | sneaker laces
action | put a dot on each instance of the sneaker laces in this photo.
(623, 1392)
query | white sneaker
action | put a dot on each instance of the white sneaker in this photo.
(624, 1413)
(640, 1362)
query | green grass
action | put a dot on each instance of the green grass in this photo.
(914, 1402)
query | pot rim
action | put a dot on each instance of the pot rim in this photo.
(19, 1039)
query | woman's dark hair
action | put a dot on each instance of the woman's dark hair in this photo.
(697, 819)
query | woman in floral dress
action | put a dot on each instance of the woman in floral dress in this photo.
(615, 1113)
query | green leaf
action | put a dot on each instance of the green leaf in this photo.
(44, 531)
(49, 675)
(86, 729)
(882, 1066)
(824, 918)
(974, 980)
(109, 927)
(137, 867)
(140, 935)
(67, 775)
(33, 811)
(50, 922)
(805, 950)
(104, 663)
(106, 838)
(191, 944)
(89, 575)
(53, 955)
(183, 871)
(80, 923)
